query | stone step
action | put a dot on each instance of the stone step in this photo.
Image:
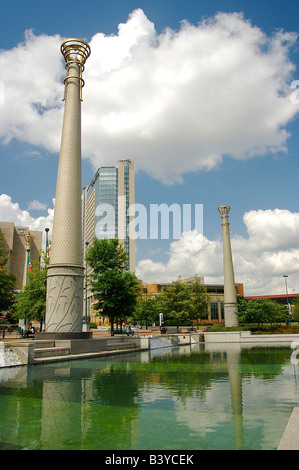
(44, 344)
(44, 360)
(122, 345)
(50, 352)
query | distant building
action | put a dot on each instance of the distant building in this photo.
(279, 298)
(105, 206)
(24, 246)
(105, 214)
(216, 307)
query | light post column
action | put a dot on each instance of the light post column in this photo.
(65, 271)
(230, 297)
(47, 242)
(28, 240)
(289, 318)
(85, 327)
(46, 261)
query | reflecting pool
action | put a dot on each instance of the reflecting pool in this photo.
(187, 398)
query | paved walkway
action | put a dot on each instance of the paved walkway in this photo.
(95, 334)
(290, 438)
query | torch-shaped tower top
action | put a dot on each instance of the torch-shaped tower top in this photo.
(75, 50)
(224, 210)
(75, 53)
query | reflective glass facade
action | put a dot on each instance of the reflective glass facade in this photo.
(106, 203)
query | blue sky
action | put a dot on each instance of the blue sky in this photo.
(248, 164)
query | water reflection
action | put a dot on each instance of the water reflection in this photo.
(191, 397)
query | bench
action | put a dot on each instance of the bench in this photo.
(23, 333)
(170, 330)
(129, 332)
(124, 332)
(191, 330)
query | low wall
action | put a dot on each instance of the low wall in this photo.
(22, 352)
(179, 339)
(226, 336)
(80, 346)
(247, 337)
(12, 354)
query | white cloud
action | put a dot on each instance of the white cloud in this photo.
(11, 212)
(36, 206)
(173, 103)
(271, 250)
(33, 108)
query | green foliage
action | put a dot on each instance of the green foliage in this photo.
(176, 301)
(147, 309)
(260, 311)
(182, 301)
(115, 289)
(32, 300)
(295, 309)
(7, 280)
(200, 300)
(106, 255)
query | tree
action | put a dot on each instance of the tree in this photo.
(200, 300)
(260, 311)
(147, 309)
(31, 302)
(7, 280)
(295, 308)
(115, 289)
(279, 313)
(177, 302)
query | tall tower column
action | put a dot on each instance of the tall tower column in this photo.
(64, 308)
(230, 297)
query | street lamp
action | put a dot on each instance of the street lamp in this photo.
(28, 241)
(86, 245)
(285, 276)
(47, 242)
(47, 262)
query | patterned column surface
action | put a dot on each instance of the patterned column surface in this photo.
(64, 299)
(65, 272)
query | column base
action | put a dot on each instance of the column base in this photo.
(230, 315)
(65, 335)
(64, 309)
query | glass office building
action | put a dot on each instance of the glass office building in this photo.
(106, 203)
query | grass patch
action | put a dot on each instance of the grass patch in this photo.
(260, 329)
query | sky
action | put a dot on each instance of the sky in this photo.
(202, 95)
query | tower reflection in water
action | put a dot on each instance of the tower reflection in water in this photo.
(198, 397)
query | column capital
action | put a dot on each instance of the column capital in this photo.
(75, 53)
(224, 210)
(75, 50)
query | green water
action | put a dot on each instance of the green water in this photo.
(168, 399)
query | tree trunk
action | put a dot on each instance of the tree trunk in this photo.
(112, 329)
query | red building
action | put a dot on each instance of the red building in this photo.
(280, 298)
